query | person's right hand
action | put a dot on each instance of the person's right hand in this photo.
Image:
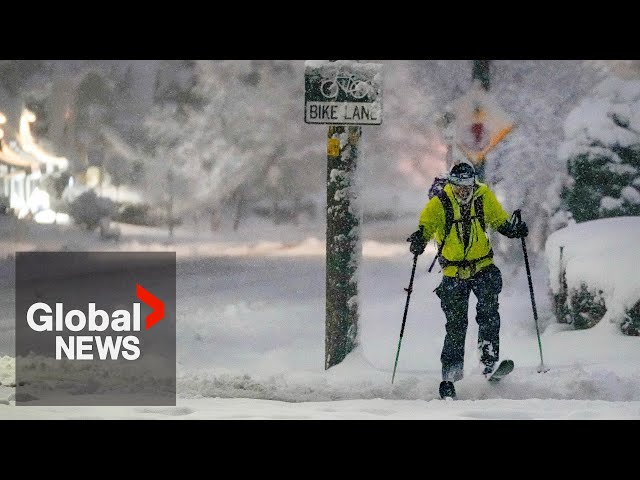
(418, 244)
(520, 230)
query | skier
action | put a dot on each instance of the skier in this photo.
(457, 215)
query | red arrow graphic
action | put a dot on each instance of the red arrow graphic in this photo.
(157, 306)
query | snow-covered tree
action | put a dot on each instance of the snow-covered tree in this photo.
(537, 95)
(249, 123)
(600, 156)
(400, 157)
(601, 152)
(93, 107)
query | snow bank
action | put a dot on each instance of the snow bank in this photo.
(604, 255)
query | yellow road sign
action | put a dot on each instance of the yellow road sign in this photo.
(480, 124)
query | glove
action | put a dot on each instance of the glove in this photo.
(514, 230)
(418, 244)
(521, 230)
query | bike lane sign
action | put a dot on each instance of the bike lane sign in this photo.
(342, 93)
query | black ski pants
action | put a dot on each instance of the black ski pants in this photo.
(454, 299)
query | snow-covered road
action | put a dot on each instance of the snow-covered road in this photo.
(250, 341)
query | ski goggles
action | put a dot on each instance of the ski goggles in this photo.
(463, 180)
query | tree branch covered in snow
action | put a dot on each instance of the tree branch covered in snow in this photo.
(601, 152)
(247, 130)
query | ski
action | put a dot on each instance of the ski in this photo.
(504, 369)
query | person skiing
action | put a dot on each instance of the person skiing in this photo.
(457, 215)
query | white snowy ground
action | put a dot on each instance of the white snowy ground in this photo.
(251, 338)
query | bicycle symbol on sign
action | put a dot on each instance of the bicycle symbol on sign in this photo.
(349, 84)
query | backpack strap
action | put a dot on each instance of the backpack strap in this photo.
(448, 212)
(448, 222)
(479, 208)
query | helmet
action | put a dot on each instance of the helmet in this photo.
(462, 174)
(463, 180)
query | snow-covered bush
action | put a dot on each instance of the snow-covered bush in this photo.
(593, 273)
(586, 307)
(631, 323)
(88, 209)
(139, 214)
(602, 151)
(580, 307)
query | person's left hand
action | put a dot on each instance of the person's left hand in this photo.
(514, 230)
(520, 230)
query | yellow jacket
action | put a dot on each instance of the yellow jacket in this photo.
(432, 219)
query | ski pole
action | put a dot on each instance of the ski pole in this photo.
(406, 309)
(541, 367)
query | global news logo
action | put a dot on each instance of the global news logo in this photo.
(117, 332)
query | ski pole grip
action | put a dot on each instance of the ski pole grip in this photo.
(518, 216)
